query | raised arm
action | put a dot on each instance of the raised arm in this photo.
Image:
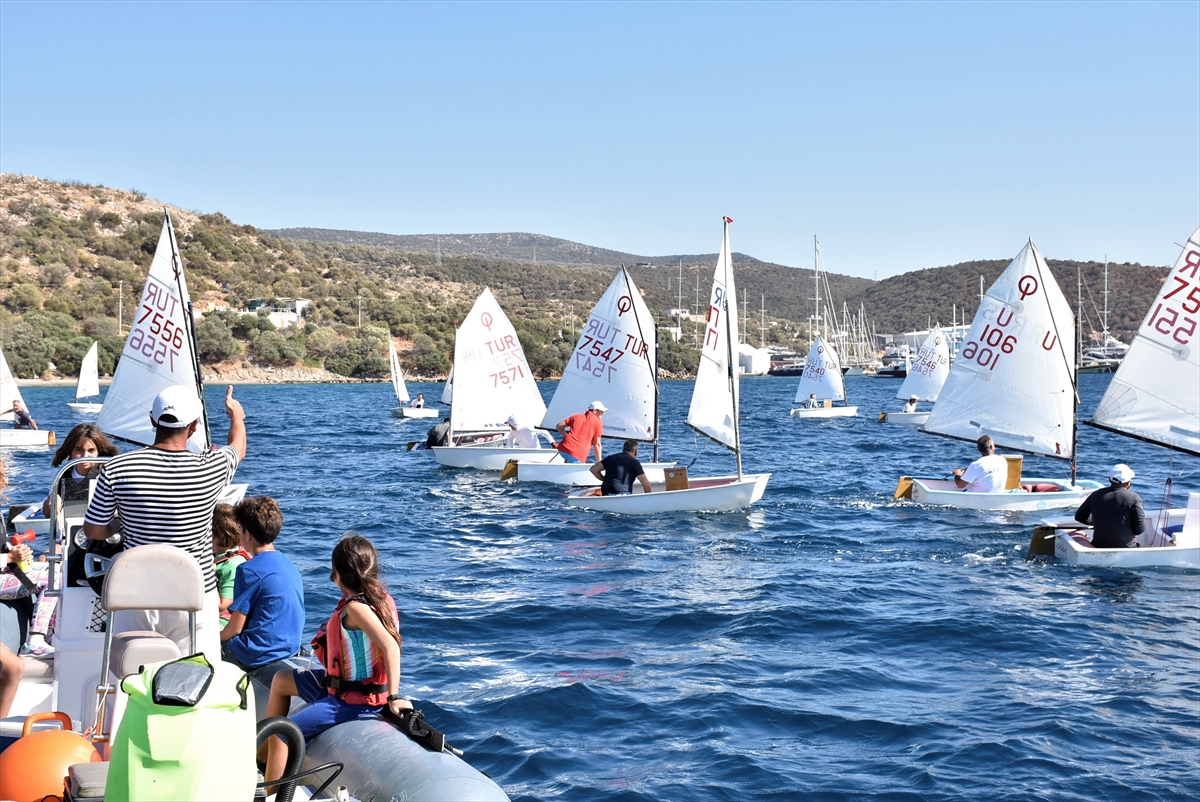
(237, 423)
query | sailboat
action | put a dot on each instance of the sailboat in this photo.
(401, 391)
(1014, 380)
(1153, 397)
(822, 377)
(925, 379)
(713, 413)
(9, 392)
(616, 362)
(491, 381)
(88, 385)
(159, 352)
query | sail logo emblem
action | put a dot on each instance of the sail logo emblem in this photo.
(1028, 285)
(624, 304)
(486, 320)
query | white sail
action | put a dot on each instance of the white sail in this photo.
(448, 388)
(9, 391)
(715, 395)
(1014, 378)
(613, 362)
(397, 374)
(822, 374)
(89, 374)
(1155, 393)
(159, 351)
(928, 372)
(492, 379)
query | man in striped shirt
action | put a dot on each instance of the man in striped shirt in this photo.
(166, 494)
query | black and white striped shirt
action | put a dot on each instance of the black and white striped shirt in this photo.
(165, 497)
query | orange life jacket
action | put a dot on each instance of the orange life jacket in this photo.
(329, 645)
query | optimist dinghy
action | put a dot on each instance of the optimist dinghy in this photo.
(1153, 397)
(713, 413)
(88, 385)
(615, 361)
(491, 381)
(9, 392)
(1014, 379)
(925, 378)
(822, 377)
(404, 411)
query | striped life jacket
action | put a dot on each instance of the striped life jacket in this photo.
(355, 670)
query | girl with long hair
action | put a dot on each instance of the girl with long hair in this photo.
(359, 647)
(85, 440)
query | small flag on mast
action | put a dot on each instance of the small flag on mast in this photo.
(727, 219)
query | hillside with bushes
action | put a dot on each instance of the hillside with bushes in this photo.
(73, 258)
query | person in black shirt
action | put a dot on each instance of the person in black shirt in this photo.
(21, 418)
(616, 472)
(439, 435)
(1115, 512)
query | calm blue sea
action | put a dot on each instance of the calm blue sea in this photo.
(828, 643)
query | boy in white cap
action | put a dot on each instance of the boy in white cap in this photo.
(520, 434)
(1114, 512)
(166, 494)
(581, 433)
(911, 406)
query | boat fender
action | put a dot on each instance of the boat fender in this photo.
(291, 734)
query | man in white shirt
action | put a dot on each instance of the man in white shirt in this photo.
(986, 474)
(911, 406)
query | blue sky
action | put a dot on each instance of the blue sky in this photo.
(905, 135)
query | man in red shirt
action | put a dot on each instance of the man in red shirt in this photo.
(581, 433)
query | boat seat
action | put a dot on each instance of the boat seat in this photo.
(86, 782)
(154, 577)
(136, 648)
(1041, 487)
(38, 668)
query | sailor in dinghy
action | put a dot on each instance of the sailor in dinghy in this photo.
(1014, 380)
(614, 365)
(713, 413)
(924, 381)
(823, 383)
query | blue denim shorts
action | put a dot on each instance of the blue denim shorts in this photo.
(326, 709)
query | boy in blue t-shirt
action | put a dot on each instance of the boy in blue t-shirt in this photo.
(266, 618)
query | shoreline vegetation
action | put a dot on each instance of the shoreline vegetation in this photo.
(74, 257)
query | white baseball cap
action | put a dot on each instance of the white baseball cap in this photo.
(1121, 473)
(513, 422)
(599, 407)
(179, 404)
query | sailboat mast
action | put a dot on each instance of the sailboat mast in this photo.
(737, 434)
(816, 293)
(177, 266)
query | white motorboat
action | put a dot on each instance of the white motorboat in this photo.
(616, 362)
(925, 378)
(1172, 542)
(491, 382)
(822, 379)
(88, 385)
(10, 392)
(713, 413)
(380, 762)
(1014, 380)
(404, 410)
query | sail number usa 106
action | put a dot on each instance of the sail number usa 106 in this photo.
(155, 335)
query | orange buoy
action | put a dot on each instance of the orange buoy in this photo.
(35, 767)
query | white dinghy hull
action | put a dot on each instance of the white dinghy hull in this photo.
(945, 493)
(710, 494)
(578, 474)
(84, 408)
(905, 418)
(414, 412)
(825, 412)
(1070, 547)
(489, 457)
(26, 438)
